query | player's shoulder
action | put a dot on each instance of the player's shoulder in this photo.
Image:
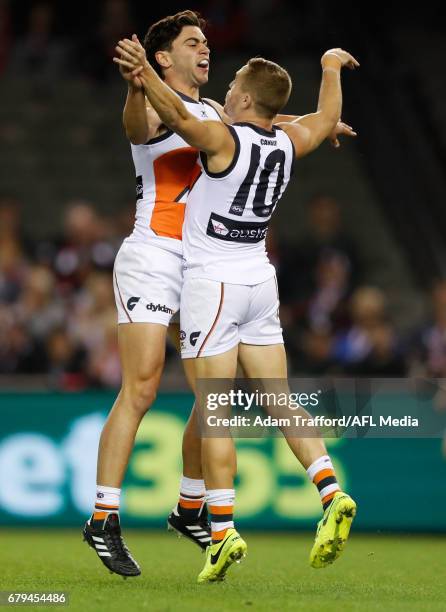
(218, 108)
(252, 131)
(283, 127)
(290, 133)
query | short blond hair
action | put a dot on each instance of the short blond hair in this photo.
(269, 85)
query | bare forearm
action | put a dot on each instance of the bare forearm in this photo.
(135, 116)
(330, 97)
(166, 102)
(309, 131)
(326, 104)
(322, 123)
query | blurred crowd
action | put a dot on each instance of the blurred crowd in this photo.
(336, 323)
(57, 312)
(58, 319)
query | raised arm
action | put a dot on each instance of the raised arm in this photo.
(141, 123)
(309, 131)
(212, 137)
(341, 128)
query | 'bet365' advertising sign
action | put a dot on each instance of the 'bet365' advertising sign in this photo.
(48, 450)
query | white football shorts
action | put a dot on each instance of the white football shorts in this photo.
(217, 316)
(147, 282)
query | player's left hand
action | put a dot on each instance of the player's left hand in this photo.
(132, 55)
(341, 129)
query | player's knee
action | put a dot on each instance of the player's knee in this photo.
(145, 395)
(141, 396)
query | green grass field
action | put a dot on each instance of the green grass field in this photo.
(375, 573)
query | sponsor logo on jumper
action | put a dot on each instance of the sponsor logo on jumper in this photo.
(139, 187)
(159, 308)
(265, 141)
(236, 231)
(194, 337)
(237, 209)
(131, 302)
(219, 228)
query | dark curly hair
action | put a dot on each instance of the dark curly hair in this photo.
(161, 34)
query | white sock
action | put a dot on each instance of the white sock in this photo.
(217, 498)
(322, 474)
(322, 463)
(107, 499)
(192, 487)
(191, 500)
